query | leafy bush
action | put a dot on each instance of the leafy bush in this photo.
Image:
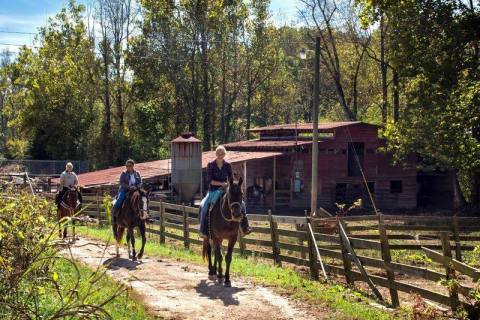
(37, 281)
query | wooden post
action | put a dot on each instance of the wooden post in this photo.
(99, 208)
(245, 177)
(312, 258)
(347, 265)
(449, 272)
(241, 243)
(162, 223)
(274, 236)
(186, 233)
(456, 237)
(387, 259)
(274, 183)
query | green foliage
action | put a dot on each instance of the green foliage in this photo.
(39, 282)
(107, 205)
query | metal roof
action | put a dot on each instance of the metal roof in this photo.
(154, 169)
(266, 144)
(308, 127)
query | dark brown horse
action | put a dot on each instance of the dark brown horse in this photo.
(134, 213)
(67, 208)
(223, 224)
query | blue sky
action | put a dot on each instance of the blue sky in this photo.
(28, 15)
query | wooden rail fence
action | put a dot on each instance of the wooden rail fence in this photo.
(351, 247)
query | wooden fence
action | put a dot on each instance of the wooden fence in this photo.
(351, 247)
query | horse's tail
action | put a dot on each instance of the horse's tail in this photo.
(206, 244)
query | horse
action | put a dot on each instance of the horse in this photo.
(134, 213)
(67, 208)
(223, 224)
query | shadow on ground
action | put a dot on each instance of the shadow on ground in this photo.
(216, 290)
(117, 263)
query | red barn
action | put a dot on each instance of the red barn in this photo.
(346, 149)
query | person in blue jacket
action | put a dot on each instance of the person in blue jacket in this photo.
(219, 172)
(130, 179)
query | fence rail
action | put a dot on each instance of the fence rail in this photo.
(370, 243)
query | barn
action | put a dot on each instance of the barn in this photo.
(276, 166)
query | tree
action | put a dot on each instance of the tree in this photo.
(59, 88)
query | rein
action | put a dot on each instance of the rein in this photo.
(230, 204)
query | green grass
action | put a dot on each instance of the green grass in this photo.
(125, 306)
(343, 303)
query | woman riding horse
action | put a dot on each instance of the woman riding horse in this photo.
(219, 172)
(130, 180)
(68, 179)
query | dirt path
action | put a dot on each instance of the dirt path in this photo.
(179, 290)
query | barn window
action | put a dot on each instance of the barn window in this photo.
(355, 156)
(341, 193)
(396, 186)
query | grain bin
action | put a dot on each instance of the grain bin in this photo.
(186, 166)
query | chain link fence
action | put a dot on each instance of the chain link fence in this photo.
(42, 167)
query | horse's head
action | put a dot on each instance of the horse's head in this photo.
(139, 201)
(234, 197)
(71, 198)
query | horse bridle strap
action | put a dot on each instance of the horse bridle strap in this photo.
(230, 205)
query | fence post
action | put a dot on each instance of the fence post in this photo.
(312, 257)
(97, 200)
(347, 264)
(162, 223)
(449, 272)
(186, 233)
(241, 243)
(456, 237)
(387, 259)
(274, 236)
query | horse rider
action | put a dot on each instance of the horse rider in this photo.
(219, 172)
(68, 179)
(130, 179)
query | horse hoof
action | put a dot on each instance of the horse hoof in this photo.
(134, 259)
(117, 255)
(228, 284)
(212, 277)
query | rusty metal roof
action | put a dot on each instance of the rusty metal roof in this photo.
(308, 127)
(266, 144)
(159, 168)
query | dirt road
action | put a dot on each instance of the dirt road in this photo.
(178, 290)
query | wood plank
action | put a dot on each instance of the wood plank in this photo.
(455, 264)
(293, 233)
(290, 219)
(258, 242)
(258, 217)
(173, 226)
(173, 236)
(292, 247)
(173, 217)
(262, 230)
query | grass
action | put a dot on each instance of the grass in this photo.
(343, 303)
(124, 306)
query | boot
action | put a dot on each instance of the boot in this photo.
(115, 212)
(245, 226)
(203, 225)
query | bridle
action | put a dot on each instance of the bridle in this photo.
(230, 207)
(66, 206)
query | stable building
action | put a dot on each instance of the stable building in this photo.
(277, 169)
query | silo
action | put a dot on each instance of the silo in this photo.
(186, 166)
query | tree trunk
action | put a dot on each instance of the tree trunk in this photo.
(223, 102)
(107, 130)
(396, 96)
(383, 69)
(193, 112)
(206, 95)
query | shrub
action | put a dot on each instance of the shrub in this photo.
(36, 281)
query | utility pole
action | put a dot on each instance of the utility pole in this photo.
(316, 93)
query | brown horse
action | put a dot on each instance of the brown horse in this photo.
(134, 213)
(67, 208)
(223, 224)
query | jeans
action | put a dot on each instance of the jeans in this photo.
(120, 198)
(210, 199)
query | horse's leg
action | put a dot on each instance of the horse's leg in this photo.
(120, 231)
(132, 239)
(228, 260)
(141, 227)
(219, 258)
(73, 226)
(211, 270)
(128, 244)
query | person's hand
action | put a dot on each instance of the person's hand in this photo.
(225, 185)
